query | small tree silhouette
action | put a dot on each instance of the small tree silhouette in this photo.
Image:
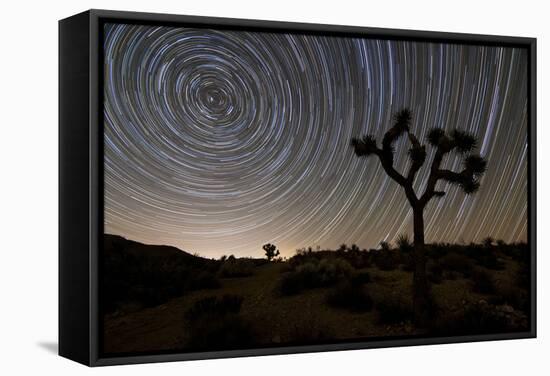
(467, 179)
(271, 251)
(385, 246)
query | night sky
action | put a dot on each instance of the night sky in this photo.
(218, 142)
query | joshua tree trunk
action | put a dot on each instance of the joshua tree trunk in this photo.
(468, 179)
(420, 283)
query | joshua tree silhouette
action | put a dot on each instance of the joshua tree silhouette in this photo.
(271, 251)
(468, 179)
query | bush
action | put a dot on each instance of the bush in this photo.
(291, 283)
(203, 280)
(482, 282)
(404, 244)
(435, 273)
(237, 268)
(407, 261)
(386, 259)
(225, 333)
(478, 318)
(513, 296)
(213, 324)
(361, 278)
(352, 297)
(455, 262)
(313, 274)
(309, 332)
(217, 306)
(487, 258)
(393, 310)
(359, 259)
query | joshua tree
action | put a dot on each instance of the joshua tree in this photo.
(271, 251)
(468, 179)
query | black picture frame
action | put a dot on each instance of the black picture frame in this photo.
(81, 185)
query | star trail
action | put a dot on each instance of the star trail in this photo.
(219, 141)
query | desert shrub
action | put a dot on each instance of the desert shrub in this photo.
(224, 333)
(312, 274)
(435, 273)
(350, 296)
(258, 261)
(478, 318)
(455, 262)
(393, 310)
(237, 268)
(404, 244)
(386, 259)
(407, 262)
(358, 259)
(487, 258)
(488, 241)
(203, 280)
(309, 331)
(361, 278)
(213, 323)
(332, 271)
(213, 305)
(518, 252)
(291, 283)
(482, 282)
(513, 296)
(385, 246)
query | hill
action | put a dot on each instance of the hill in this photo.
(136, 275)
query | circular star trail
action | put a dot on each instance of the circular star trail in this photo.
(219, 141)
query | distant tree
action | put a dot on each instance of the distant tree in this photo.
(384, 245)
(271, 251)
(468, 180)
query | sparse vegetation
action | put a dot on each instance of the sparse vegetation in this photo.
(313, 297)
(456, 262)
(237, 268)
(215, 324)
(393, 310)
(482, 282)
(313, 274)
(476, 318)
(350, 296)
(468, 179)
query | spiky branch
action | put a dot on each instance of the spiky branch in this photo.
(459, 141)
(468, 180)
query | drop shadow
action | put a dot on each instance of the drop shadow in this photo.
(50, 347)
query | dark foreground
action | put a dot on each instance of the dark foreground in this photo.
(158, 298)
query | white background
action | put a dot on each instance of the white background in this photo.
(28, 185)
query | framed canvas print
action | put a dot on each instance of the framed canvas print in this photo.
(237, 187)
